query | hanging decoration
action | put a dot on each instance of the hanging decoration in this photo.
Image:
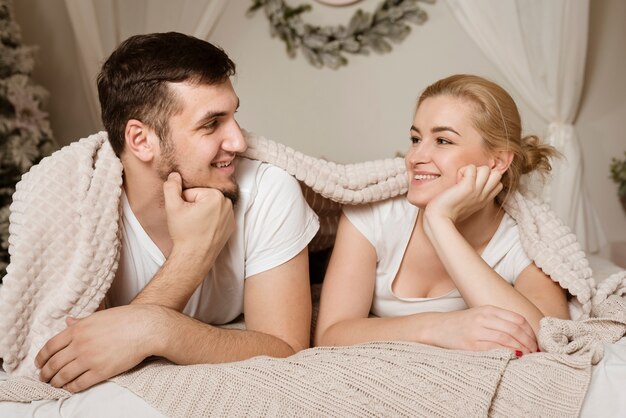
(326, 46)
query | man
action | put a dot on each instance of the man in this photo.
(204, 233)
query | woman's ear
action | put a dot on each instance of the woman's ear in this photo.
(501, 160)
(136, 137)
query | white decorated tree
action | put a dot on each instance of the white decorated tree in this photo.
(25, 134)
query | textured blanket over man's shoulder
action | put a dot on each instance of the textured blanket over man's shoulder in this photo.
(64, 247)
(64, 250)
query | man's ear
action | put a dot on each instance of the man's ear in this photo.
(501, 160)
(137, 139)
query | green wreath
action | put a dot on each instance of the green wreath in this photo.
(326, 45)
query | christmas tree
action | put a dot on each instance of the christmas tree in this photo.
(25, 134)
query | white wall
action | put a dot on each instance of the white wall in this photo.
(602, 116)
(361, 111)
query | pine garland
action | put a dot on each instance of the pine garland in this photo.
(326, 45)
(25, 134)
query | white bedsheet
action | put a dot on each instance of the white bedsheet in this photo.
(606, 396)
(105, 400)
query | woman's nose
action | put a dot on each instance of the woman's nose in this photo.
(418, 153)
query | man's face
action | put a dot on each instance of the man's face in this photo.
(204, 138)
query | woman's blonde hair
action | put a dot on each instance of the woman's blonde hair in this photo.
(498, 121)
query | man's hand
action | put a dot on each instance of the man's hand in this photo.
(197, 219)
(484, 328)
(200, 222)
(102, 345)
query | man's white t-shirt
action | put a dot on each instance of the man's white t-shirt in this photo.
(388, 226)
(273, 224)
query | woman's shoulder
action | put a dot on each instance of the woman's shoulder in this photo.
(395, 206)
(380, 221)
(505, 252)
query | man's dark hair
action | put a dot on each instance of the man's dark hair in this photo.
(133, 81)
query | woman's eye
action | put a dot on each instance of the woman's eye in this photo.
(443, 141)
(415, 140)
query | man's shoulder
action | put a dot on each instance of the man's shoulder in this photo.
(256, 177)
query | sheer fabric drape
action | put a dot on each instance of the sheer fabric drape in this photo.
(540, 46)
(100, 25)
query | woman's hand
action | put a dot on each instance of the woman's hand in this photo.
(475, 188)
(483, 328)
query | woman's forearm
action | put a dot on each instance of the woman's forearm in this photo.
(412, 328)
(476, 329)
(477, 282)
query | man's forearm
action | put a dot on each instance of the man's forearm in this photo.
(176, 280)
(188, 341)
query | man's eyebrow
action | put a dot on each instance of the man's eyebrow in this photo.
(214, 114)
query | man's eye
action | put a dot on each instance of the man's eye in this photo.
(211, 125)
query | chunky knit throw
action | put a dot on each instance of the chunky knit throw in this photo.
(64, 250)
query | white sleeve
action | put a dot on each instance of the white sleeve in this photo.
(505, 253)
(278, 223)
(518, 260)
(362, 218)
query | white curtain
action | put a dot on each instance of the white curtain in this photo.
(540, 46)
(100, 25)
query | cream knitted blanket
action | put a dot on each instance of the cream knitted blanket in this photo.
(64, 254)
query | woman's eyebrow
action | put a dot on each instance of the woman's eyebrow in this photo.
(444, 128)
(437, 129)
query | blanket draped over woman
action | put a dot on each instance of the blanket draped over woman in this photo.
(64, 256)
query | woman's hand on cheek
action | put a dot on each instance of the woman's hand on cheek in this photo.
(474, 189)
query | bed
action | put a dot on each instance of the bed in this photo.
(581, 369)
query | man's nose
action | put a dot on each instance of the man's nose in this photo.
(234, 140)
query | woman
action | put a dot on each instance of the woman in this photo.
(444, 265)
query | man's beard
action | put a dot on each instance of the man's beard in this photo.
(168, 164)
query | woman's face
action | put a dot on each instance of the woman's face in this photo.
(443, 140)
